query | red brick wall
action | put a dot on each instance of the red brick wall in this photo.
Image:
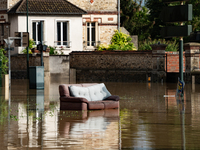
(172, 60)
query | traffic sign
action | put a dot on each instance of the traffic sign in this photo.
(176, 31)
(179, 13)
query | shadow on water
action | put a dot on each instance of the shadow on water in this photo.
(150, 117)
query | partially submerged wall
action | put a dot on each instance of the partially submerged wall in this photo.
(57, 65)
(115, 66)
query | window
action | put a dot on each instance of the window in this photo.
(91, 34)
(63, 33)
(36, 32)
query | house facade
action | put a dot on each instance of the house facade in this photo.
(99, 23)
(67, 25)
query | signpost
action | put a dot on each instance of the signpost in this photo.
(179, 13)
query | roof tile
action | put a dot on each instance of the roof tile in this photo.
(46, 7)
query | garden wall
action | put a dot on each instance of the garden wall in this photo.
(118, 66)
(58, 64)
(140, 66)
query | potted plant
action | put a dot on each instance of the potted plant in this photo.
(4, 78)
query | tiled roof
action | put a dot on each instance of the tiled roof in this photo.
(46, 7)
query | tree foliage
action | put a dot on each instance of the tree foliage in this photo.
(134, 18)
(155, 7)
(196, 15)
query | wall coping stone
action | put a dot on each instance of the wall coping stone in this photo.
(109, 52)
(191, 46)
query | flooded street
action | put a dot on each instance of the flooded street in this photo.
(149, 117)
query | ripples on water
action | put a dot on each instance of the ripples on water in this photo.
(146, 120)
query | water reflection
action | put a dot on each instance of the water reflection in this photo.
(146, 119)
(89, 130)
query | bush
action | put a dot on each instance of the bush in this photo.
(119, 41)
(4, 63)
(31, 45)
(146, 45)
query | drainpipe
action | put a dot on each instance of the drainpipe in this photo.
(118, 1)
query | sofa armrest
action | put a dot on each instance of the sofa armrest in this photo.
(112, 97)
(73, 99)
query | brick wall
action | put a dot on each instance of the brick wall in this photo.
(115, 66)
(172, 59)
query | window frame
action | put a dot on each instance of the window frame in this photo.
(68, 43)
(44, 30)
(91, 42)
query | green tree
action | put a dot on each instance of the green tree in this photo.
(155, 7)
(196, 15)
(134, 18)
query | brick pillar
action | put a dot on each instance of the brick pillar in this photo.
(191, 62)
(192, 56)
(158, 57)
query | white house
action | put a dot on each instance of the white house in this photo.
(68, 24)
(62, 23)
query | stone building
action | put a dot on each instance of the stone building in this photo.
(97, 27)
(99, 23)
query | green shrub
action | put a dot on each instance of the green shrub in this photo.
(119, 41)
(31, 45)
(4, 63)
(146, 45)
(53, 51)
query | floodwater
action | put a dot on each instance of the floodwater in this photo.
(149, 118)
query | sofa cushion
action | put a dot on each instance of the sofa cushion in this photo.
(80, 92)
(98, 92)
(92, 93)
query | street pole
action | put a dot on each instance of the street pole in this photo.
(181, 59)
(41, 25)
(181, 55)
(9, 69)
(118, 15)
(27, 48)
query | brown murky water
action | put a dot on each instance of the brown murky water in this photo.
(149, 117)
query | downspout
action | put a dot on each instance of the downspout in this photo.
(118, 1)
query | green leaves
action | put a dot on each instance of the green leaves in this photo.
(4, 60)
(135, 18)
(119, 41)
(146, 45)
